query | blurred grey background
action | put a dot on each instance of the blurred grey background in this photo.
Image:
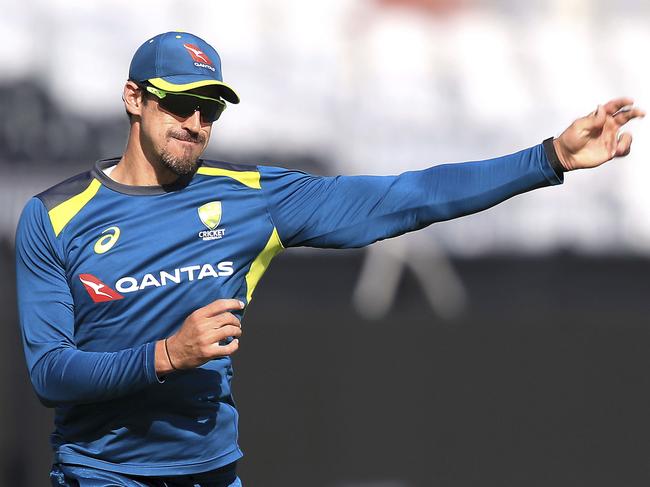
(506, 348)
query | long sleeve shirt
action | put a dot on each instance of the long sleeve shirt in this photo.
(104, 270)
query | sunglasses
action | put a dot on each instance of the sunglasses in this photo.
(185, 104)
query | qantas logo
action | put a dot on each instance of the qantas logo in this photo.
(131, 284)
(198, 55)
(200, 58)
(99, 292)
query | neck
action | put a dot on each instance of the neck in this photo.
(137, 167)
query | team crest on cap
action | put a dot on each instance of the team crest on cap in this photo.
(200, 58)
(210, 215)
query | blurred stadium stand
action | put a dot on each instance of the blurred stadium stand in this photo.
(509, 348)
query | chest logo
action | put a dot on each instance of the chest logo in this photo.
(98, 291)
(105, 243)
(210, 215)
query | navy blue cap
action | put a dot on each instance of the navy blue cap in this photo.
(180, 61)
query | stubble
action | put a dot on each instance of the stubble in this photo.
(186, 163)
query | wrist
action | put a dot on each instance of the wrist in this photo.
(169, 357)
(163, 364)
(563, 159)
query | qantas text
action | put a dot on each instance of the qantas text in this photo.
(129, 284)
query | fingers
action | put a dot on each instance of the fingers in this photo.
(223, 319)
(223, 350)
(594, 121)
(208, 347)
(220, 306)
(619, 111)
(599, 117)
(216, 349)
(613, 106)
(623, 145)
(198, 339)
(622, 110)
(218, 334)
(626, 114)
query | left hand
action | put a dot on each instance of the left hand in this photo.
(593, 140)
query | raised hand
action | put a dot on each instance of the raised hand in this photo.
(595, 139)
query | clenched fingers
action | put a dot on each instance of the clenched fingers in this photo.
(220, 306)
(219, 334)
(224, 350)
(220, 320)
(208, 346)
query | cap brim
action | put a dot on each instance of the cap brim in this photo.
(181, 83)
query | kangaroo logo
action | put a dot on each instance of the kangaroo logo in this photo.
(98, 291)
(197, 54)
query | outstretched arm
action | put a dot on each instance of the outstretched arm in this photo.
(353, 211)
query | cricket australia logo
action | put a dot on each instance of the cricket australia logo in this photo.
(210, 215)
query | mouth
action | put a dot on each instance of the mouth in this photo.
(186, 141)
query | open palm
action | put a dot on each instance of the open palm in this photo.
(594, 139)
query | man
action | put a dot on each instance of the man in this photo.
(133, 277)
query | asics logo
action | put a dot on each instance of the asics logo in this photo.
(105, 243)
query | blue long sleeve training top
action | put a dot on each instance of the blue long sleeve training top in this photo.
(104, 270)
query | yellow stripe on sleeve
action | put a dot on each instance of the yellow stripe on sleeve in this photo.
(247, 178)
(62, 213)
(261, 263)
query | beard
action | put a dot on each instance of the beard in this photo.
(185, 163)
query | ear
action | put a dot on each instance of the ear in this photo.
(133, 98)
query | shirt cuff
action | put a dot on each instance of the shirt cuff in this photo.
(553, 159)
(150, 364)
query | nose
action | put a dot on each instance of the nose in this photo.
(193, 123)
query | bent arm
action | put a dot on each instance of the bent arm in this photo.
(65, 375)
(354, 211)
(60, 373)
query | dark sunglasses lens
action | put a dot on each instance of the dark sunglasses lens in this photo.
(211, 110)
(184, 106)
